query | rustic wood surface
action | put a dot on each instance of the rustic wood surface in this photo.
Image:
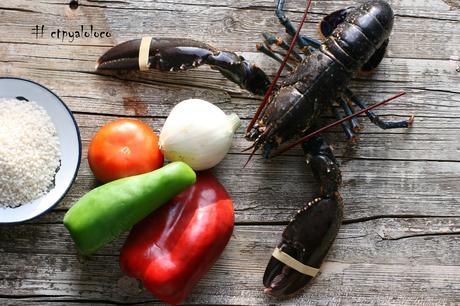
(400, 241)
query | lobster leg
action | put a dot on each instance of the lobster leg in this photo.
(270, 53)
(346, 128)
(348, 111)
(311, 232)
(271, 39)
(302, 41)
(175, 54)
(376, 119)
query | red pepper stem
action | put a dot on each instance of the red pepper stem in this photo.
(278, 74)
(305, 138)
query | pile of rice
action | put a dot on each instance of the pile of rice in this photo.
(29, 152)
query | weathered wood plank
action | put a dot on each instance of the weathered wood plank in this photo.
(430, 90)
(267, 192)
(382, 235)
(422, 31)
(373, 143)
(431, 9)
(274, 190)
(414, 36)
(69, 70)
(419, 263)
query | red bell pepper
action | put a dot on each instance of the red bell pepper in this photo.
(171, 249)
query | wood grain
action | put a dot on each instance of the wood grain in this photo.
(364, 254)
(399, 243)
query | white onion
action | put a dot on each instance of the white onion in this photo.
(198, 133)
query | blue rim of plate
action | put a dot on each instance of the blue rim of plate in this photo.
(79, 150)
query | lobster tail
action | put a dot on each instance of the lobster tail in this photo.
(379, 10)
(358, 33)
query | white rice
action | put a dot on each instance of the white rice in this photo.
(29, 152)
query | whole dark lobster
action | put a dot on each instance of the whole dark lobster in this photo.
(355, 39)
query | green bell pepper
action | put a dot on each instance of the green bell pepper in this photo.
(104, 213)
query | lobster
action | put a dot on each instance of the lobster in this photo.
(355, 39)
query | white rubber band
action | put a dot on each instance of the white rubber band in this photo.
(294, 263)
(144, 50)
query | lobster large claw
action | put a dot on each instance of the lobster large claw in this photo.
(306, 239)
(309, 235)
(155, 53)
(175, 54)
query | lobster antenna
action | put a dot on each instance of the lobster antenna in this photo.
(250, 157)
(305, 138)
(278, 74)
(249, 148)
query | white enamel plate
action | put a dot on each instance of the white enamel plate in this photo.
(70, 146)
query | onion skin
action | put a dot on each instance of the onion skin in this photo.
(198, 133)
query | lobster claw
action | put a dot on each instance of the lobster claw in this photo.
(175, 54)
(306, 241)
(122, 56)
(163, 54)
(309, 235)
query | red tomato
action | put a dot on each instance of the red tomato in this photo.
(124, 147)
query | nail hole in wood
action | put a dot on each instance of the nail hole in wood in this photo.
(73, 4)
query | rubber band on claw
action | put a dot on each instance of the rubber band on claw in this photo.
(294, 263)
(144, 50)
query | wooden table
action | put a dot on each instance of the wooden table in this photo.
(400, 241)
